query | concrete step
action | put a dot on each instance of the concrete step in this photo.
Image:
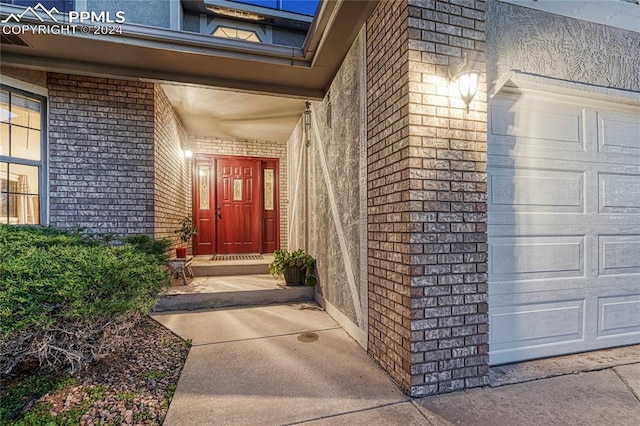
(205, 270)
(203, 267)
(231, 290)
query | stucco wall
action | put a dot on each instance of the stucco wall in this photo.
(298, 192)
(147, 12)
(38, 78)
(334, 229)
(531, 41)
(172, 178)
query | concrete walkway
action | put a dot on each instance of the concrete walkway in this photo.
(292, 364)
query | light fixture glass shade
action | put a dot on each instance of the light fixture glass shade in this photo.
(188, 153)
(468, 86)
(307, 119)
(466, 76)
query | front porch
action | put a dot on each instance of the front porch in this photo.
(224, 283)
(229, 170)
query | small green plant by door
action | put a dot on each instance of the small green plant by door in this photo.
(186, 232)
(297, 267)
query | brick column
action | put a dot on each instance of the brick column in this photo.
(427, 197)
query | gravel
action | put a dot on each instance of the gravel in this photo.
(133, 387)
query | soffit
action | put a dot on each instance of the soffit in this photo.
(173, 56)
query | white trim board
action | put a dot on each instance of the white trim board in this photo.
(523, 80)
(358, 334)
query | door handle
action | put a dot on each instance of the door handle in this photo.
(218, 213)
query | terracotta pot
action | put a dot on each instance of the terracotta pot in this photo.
(293, 276)
(181, 252)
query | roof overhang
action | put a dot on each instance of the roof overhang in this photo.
(143, 52)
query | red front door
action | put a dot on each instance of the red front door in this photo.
(238, 206)
(235, 205)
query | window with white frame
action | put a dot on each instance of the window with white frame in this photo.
(237, 33)
(22, 156)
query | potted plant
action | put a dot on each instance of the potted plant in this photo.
(296, 266)
(186, 232)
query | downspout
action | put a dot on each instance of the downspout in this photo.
(307, 216)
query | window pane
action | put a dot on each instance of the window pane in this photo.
(20, 138)
(63, 6)
(4, 207)
(226, 32)
(4, 139)
(4, 106)
(25, 143)
(308, 7)
(4, 177)
(25, 177)
(204, 187)
(23, 204)
(25, 111)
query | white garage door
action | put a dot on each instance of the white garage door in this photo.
(564, 225)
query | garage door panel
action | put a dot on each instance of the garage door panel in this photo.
(500, 288)
(521, 121)
(526, 223)
(539, 257)
(619, 254)
(532, 324)
(619, 315)
(592, 163)
(578, 285)
(511, 188)
(619, 193)
(513, 148)
(517, 156)
(618, 133)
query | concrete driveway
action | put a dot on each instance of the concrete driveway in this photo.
(292, 364)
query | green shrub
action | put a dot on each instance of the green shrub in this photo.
(156, 248)
(67, 299)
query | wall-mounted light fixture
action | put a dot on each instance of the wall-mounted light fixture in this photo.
(467, 79)
(307, 122)
(187, 150)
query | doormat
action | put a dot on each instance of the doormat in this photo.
(237, 257)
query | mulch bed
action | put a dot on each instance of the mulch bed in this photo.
(132, 387)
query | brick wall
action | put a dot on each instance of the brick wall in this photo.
(101, 154)
(172, 177)
(427, 197)
(449, 327)
(250, 148)
(388, 173)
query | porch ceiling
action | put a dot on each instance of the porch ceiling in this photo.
(223, 113)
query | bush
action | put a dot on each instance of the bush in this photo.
(68, 299)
